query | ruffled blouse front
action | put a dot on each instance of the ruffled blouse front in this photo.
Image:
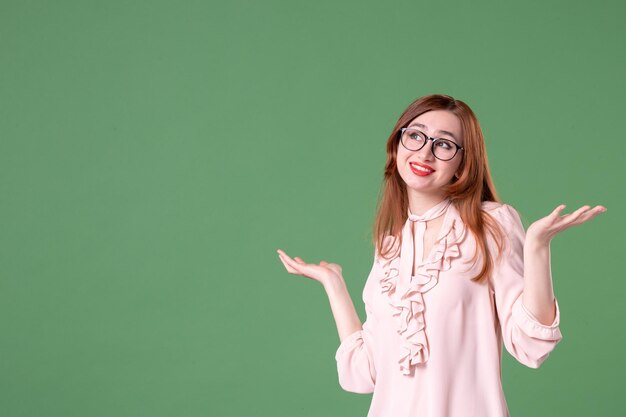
(405, 291)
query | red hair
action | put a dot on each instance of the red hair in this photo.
(467, 192)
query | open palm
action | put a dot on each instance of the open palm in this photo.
(322, 272)
(543, 230)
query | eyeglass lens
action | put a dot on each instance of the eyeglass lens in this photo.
(415, 140)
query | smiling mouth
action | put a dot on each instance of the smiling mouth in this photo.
(420, 170)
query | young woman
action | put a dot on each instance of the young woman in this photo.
(454, 277)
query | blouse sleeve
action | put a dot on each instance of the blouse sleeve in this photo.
(524, 337)
(355, 358)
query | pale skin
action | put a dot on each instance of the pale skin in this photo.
(538, 295)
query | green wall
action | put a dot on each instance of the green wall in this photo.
(153, 156)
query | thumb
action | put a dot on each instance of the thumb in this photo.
(557, 211)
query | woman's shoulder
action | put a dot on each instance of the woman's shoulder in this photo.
(390, 247)
(502, 212)
(490, 206)
(496, 206)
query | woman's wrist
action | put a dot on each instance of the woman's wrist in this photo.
(334, 283)
(534, 243)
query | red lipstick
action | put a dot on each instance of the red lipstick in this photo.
(422, 173)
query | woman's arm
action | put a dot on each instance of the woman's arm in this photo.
(329, 275)
(346, 318)
(538, 295)
(355, 363)
(525, 338)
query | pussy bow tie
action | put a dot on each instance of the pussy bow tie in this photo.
(407, 253)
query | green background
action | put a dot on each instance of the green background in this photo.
(155, 154)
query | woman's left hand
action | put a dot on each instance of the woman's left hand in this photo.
(543, 230)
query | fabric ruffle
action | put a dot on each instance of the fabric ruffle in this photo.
(406, 297)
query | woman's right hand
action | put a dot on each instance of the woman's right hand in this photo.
(323, 273)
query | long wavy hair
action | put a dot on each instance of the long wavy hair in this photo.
(467, 191)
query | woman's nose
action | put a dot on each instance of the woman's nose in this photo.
(427, 151)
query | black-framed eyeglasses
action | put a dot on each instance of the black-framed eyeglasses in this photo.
(414, 140)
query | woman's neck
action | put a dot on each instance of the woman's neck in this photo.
(421, 203)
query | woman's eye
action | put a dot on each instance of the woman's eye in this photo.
(444, 144)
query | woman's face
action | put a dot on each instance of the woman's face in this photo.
(428, 181)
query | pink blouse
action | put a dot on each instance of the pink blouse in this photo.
(431, 345)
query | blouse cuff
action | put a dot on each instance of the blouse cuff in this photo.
(347, 343)
(531, 326)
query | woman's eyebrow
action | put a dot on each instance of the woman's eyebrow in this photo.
(441, 132)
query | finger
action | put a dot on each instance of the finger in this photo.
(290, 269)
(590, 214)
(296, 258)
(597, 210)
(290, 263)
(283, 255)
(303, 269)
(576, 214)
(557, 211)
(284, 258)
(580, 216)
